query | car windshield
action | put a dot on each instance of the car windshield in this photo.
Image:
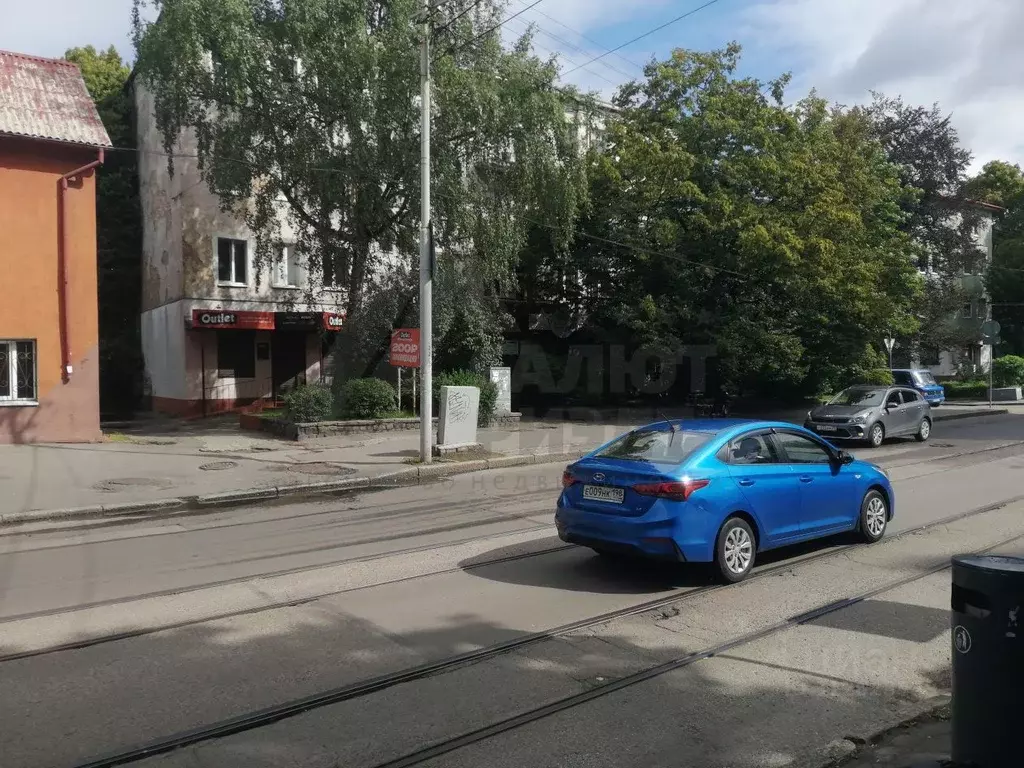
(655, 445)
(924, 377)
(859, 396)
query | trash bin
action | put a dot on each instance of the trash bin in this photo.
(988, 661)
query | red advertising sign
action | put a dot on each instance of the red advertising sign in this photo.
(333, 321)
(405, 348)
(231, 318)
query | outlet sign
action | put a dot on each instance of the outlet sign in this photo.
(223, 318)
(405, 348)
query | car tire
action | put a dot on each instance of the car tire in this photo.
(735, 550)
(876, 435)
(874, 517)
(924, 431)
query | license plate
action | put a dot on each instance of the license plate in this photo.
(826, 428)
(600, 493)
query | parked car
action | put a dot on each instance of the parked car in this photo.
(923, 382)
(718, 490)
(871, 414)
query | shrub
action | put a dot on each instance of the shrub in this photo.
(367, 399)
(880, 377)
(966, 390)
(1008, 371)
(488, 392)
(309, 403)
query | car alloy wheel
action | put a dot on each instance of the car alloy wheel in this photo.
(876, 436)
(874, 516)
(735, 550)
(924, 431)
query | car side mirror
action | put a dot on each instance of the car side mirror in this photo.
(844, 458)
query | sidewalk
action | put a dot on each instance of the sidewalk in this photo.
(921, 743)
(176, 464)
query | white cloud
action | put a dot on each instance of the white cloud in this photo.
(965, 56)
(49, 27)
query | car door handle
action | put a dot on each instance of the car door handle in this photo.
(805, 478)
(746, 482)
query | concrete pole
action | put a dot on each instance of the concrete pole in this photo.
(426, 278)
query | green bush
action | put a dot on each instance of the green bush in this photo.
(367, 399)
(1008, 371)
(879, 377)
(488, 392)
(309, 403)
(966, 390)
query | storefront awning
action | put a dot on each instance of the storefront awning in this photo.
(231, 319)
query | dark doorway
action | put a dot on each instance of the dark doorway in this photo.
(288, 360)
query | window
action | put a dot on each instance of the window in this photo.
(866, 397)
(965, 311)
(236, 354)
(910, 397)
(331, 267)
(981, 310)
(658, 445)
(232, 261)
(752, 449)
(17, 372)
(287, 267)
(893, 400)
(802, 450)
(902, 377)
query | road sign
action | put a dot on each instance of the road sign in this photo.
(405, 348)
(889, 343)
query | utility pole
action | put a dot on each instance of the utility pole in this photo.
(426, 267)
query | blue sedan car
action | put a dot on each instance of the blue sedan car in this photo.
(719, 491)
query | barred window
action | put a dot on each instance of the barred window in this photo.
(17, 371)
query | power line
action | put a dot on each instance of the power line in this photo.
(557, 53)
(565, 42)
(645, 34)
(457, 16)
(582, 36)
(488, 31)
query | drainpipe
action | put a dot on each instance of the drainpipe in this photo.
(62, 266)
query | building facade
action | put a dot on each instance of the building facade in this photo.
(976, 310)
(217, 331)
(51, 143)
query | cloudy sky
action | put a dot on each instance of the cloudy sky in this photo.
(965, 56)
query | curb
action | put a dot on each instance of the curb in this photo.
(411, 476)
(976, 415)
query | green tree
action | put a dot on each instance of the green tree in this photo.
(772, 232)
(924, 145)
(998, 183)
(308, 110)
(119, 231)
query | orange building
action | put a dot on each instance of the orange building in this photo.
(51, 143)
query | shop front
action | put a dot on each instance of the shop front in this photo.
(248, 356)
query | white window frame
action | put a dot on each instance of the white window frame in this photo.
(12, 372)
(286, 261)
(234, 283)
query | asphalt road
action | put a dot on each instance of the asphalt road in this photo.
(262, 605)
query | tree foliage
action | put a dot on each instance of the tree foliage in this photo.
(999, 183)
(119, 231)
(778, 234)
(939, 217)
(308, 111)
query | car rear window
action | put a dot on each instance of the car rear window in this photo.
(658, 446)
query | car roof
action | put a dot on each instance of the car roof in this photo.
(722, 426)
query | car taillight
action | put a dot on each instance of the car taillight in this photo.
(568, 479)
(676, 490)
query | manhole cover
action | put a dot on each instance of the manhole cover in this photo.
(218, 465)
(317, 468)
(121, 483)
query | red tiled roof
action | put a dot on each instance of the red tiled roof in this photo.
(47, 99)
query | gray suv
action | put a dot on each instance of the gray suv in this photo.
(871, 414)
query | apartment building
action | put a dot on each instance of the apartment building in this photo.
(218, 331)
